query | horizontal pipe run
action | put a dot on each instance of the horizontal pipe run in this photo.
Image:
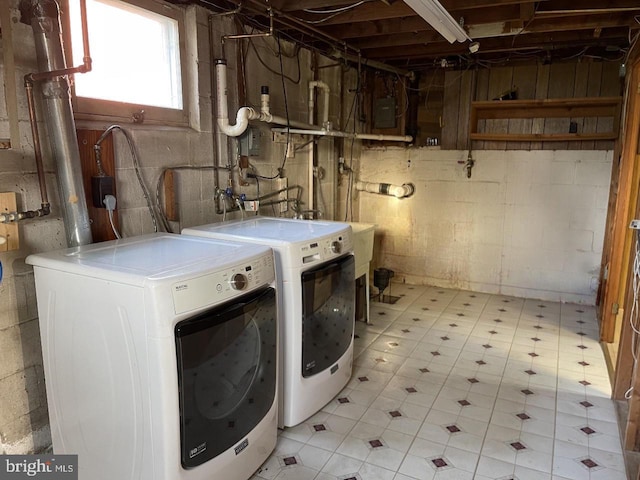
(358, 136)
(12, 217)
(399, 191)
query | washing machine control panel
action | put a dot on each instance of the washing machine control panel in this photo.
(325, 248)
(222, 285)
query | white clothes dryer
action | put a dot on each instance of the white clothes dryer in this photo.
(315, 272)
(160, 356)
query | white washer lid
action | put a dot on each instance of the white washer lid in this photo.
(148, 257)
(272, 231)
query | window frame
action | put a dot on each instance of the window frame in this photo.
(86, 108)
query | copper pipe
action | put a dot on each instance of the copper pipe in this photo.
(86, 59)
(28, 86)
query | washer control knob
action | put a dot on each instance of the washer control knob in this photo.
(336, 247)
(238, 281)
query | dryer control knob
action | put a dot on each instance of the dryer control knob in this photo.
(238, 281)
(336, 247)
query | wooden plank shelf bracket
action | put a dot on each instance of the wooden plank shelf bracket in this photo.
(547, 108)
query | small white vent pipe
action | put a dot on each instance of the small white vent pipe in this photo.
(244, 113)
(399, 191)
(325, 113)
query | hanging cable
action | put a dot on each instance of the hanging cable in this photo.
(136, 167)
(335, 10)
(160, 182)
(286, 112)
(348, 211)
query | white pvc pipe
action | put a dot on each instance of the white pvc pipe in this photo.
(325, 112)
(398, 191)
(244, 113)
(359, 136)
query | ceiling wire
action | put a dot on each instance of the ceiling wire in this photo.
(336, 10)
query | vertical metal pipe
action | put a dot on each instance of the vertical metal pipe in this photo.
(37, 150)
(59, 121)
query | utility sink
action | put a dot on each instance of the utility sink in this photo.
(362, 234)
(362, 245)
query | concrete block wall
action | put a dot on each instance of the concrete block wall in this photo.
(23, 408)
(527, 223)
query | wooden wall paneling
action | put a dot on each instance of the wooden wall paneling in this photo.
(580, 91)
(542, 90)
(610, 85)
(614, 287)
(594, 81)
(561, 80)
(500, 81)
(524, 80)
(99, 218)
(431, 98)
(450, 111)
(481, 93)
(466, 96)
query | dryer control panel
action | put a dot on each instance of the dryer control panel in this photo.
(222, 285)
(324, 249)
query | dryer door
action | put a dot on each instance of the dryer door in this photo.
(226, 373)
(328, 314)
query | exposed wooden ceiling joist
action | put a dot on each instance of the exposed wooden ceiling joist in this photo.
(390, 31)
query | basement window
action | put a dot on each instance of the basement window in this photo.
(136, 50)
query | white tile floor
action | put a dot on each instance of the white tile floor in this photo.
(451, 384)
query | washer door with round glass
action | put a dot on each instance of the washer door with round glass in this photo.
(226, 373)
(328, 314)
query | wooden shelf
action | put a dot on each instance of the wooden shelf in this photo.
(549, 108)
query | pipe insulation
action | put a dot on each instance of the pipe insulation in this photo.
(399, 191)
(244, 114)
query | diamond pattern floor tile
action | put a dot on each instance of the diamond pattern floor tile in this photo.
(464, 385)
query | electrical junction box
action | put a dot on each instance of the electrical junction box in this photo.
(250, 142)
(384, 114)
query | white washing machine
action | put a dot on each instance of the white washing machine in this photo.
(315, 271)
(160, 356)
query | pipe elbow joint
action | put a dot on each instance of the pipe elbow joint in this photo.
(399, 191)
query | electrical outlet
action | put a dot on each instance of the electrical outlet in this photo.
(635, 224)
(251, 205)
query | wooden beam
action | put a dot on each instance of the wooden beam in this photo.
(627, 196)
(527, 11)
(379, 27)
(571, 7)
(452, 5)
(398, 40)
(548, 108)
(582, 22)
(170, 201)
(299, 5)
(365, 13)
(543, 137)
(537, 41)
(399, 21)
